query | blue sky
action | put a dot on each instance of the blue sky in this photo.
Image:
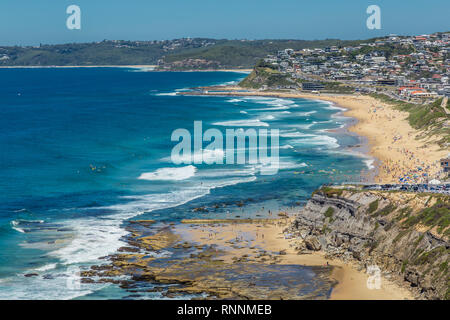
(30, 22)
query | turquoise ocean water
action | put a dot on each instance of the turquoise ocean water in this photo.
(83, 150)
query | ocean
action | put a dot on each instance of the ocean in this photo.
(85, 149)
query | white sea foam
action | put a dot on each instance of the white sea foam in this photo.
(273, 103)
(142, 69)
(303, 114)
(18, 229)
(96, 237)
(217, 173)
(369, 163)
(301, 138)
(326, 121)
(331, 105)
(47, 267)
(320, 140)
(166, 94)
(284, 163)
(213, 155)
(207, 155)
(281, 107)
(292, 134)
(21, 225)
(181, 173)
(291, 165)
(242, 123)
(303, 126)
(50, 288)
(228, 83)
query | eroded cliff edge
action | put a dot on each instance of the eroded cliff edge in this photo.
(405, 234)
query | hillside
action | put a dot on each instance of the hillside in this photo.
(246, 53)
(169, 54)
(430, 118)
(266, 75)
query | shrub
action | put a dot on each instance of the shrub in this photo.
(329, 213)
(373, 206)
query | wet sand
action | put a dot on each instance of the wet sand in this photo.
(249, 239)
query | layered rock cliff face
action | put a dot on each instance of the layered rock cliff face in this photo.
(405, 234)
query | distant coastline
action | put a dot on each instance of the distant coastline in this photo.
(149, 67)
(78, 66)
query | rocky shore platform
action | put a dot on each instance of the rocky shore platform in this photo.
(346, 243)
(210, 259)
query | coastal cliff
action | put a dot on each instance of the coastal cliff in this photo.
(266, 76)
(405, 234)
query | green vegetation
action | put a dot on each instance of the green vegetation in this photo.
(403, 212)
(386, 210)
(329, 213)
(266, 74)
(437, 215)
(404, 264)
(226, 53)
(246, 53)
(337, 87)
(102, 53)
(429, 118)
(421, 117)
(418, 240)
(326, 229)
(444, 267)
(331, 192)
(401, 235)
(430, 256)
(377, 225)
(373, 206)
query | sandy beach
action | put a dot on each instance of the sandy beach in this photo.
(248, 239)
(392, 140)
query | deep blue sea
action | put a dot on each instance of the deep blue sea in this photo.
(84, 149)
